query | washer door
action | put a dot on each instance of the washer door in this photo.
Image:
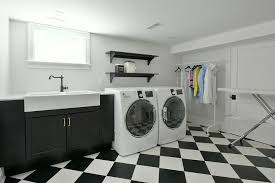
(173, 112)
(140, 118)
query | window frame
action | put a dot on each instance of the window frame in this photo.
(44, 63)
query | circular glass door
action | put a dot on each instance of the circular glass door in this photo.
(173, 112)
(140, 118)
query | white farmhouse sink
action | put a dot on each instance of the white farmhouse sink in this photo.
(41, 101)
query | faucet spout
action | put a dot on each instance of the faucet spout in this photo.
(62, 87)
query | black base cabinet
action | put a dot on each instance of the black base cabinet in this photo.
(58, 135)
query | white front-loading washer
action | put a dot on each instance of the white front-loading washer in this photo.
(172, 114)
(136, 127)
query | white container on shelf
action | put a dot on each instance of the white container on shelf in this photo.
(129, 67)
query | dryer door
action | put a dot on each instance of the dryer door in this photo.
(140, 118)
(173, 112)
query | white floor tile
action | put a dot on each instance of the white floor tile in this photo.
(221, 169)
(230, 136)
(193, 124)
(100, 167)
(172, 145)
(207, 147)
(25, 181)
(197, 178)
(191, 154)
(268, 173)
(171, 163)
(259, 145)
(115, 180)
(188, 138)
(61, 165)
(131, 159)
(152, 151)
(237, 159)
(65, 175)
(146, 174)
(272, 159)
(251, 181)
(251, 151)
(199, 133)
(22, 175)
(220, 141)
(93, 156)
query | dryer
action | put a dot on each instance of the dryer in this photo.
(136, 127)
(172, 114)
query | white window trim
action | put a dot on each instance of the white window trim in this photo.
(46, 64)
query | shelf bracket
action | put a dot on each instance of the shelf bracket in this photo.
(149, 79)
(112, 55)
(149, 61)
(111, 77)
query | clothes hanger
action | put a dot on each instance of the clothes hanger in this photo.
(178, 69)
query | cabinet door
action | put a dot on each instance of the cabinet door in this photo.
(46, 136)
(83, 132)
(12, 133)
(107, 118)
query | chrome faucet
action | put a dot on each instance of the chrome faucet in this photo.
(62, 87)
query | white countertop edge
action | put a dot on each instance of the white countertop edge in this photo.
(22, 96)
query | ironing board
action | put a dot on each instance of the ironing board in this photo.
(257, 94)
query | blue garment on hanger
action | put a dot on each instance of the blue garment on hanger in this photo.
(201, 82)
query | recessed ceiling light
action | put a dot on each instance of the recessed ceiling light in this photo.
(153, 26)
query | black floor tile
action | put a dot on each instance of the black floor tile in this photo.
(79, 164)
(226, 149)
(244, 143)
(226, 180)
(261, 161)
(203, 139)
(148, 160)
(171, 176)
(188, 133)
(249, 172)
(172, 152)
(195, 166)
(195, 128)
(217, 135)
(110, 155)
(90, 178)
(122, 170)
(136, 181)
(188, 145)
(268, 152)
(213, 156)
(42, 175)
(11, 180)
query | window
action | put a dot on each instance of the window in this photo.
(51, 45)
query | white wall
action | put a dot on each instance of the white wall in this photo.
(248, 65)
(26, 79)
(4, 54)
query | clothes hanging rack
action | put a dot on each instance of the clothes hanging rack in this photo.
(192, 65)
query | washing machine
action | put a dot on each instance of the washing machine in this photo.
(172, 114)
(136, 127)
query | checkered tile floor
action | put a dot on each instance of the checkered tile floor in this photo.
(195, 159)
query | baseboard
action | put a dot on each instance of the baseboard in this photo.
(2, 175)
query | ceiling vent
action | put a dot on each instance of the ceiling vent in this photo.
(155, 25)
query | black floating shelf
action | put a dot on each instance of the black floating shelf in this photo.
(145, 75)
(118, 54)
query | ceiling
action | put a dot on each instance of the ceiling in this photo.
(180, 20)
